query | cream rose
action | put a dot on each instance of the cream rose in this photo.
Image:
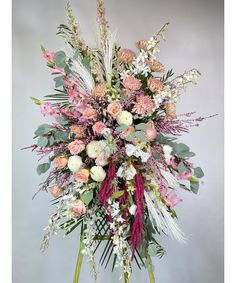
(98, 174)
(74, 163)
(94, 148)
(125, 118)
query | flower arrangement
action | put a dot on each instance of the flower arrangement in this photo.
(115, 163)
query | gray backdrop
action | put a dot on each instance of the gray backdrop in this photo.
(195, 39)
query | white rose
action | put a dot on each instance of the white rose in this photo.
(125, 118)
(98, 174)
(94, 148)
(75, 163)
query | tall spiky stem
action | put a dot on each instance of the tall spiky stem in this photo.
(101, 19)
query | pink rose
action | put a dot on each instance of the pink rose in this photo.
(78, 208)
(56, 191)
(78, 131)
(155, 85)
(131, 83)
(82, 176)
(114, 109)
(150, 132)
(49, 56)
(90, 113)
(98, 127)
(101, 161)
(76, 147)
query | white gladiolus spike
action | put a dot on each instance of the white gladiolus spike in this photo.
(163, 220)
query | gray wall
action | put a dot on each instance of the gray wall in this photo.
(195, 39)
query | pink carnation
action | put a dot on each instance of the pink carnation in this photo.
(131, 83)
(76, 147)
(144, 105)
(98, 127)
(155, 85)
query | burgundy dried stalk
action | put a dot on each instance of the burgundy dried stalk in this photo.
(137, 227)
(106, 188)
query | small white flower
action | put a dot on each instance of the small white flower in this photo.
(130, 172)
(98, 174)
(74, 163)
(95, 148)
(125, 118)
(130, 149)
(167, 152)
(132, 209)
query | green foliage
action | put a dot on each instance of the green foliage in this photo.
(42, 130)
(60, 58)
(182, 168)
(182, 150)
(117, 194)
(42, 141)
(169, 74)
(198, 172)
(42, 168)
(194, 185)
(62, 120)
(61, 136)
(138, 135)
(87, 197)
(141, 126)
(36, 100)
(122, 128)
(59, 81)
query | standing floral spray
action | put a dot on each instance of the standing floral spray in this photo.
(115, 165)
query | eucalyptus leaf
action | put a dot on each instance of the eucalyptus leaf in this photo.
(194, 187)
(130, 137)
(141, 126)
(182, 168)
(60, 58)
(59, 81)
(61, 136)
(122, 128)
(140, 136)
(42, 141)
(198, 172)
(42, 130)
(42, 168)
